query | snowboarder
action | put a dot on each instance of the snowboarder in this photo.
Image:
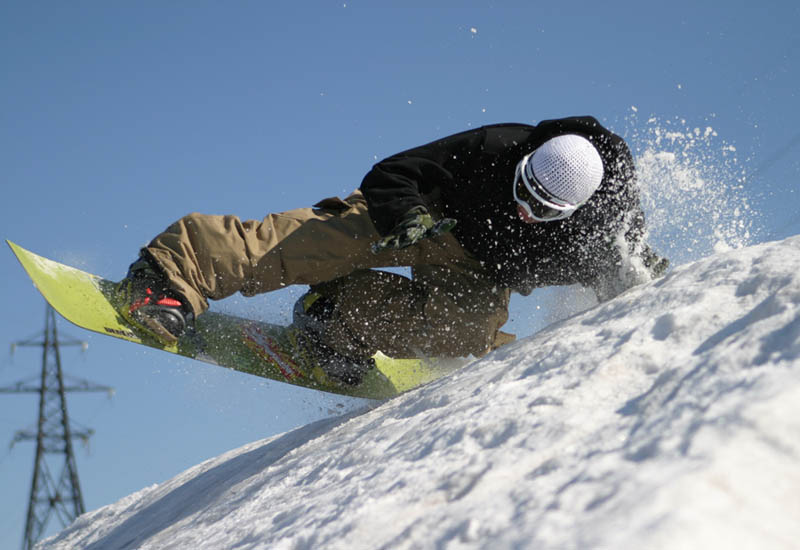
(476, 215)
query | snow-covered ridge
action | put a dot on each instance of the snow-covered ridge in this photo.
(666, 418)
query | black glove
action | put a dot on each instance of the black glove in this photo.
(652, 261)
(416, 225)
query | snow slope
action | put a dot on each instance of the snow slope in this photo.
(666, 418)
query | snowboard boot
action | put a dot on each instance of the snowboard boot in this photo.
(311, 313)
(146, 301)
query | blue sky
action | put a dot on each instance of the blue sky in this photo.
(118, 118)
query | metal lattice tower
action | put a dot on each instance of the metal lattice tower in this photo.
(55, 489)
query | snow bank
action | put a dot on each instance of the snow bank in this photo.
(666, 418)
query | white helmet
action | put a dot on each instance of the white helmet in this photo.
(557, 177)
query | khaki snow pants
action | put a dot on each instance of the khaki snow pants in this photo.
(449, 308)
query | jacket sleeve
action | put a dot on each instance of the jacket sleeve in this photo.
(627, 259)
(397, 184)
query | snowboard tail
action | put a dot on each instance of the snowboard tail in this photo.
(261, 349)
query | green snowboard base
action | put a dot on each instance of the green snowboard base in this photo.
(257, 348)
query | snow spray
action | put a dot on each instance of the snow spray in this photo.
(692, 185)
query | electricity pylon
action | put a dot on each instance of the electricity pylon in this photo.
(58, 494)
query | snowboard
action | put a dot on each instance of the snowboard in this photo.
(249, 346)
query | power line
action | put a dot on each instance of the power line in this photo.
(775, 157)
(769, 163)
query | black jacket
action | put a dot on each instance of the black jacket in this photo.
(470, 174)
